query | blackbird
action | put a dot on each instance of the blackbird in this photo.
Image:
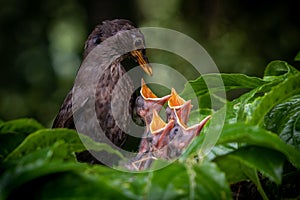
(109, 79)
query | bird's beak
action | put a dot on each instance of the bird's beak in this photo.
(151, 102)
(157, 124)
(175, 100)
(146, 93)
(180, 106)
(142, 60)
(160, 130)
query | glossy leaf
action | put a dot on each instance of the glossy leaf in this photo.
(267, 161)
(25, 126)
(239, 109)
(63, 142)
(254, 135)
(70, 185)
(279, 70)
(12, 133)
(29, 167)
(38, 171)
(210, 83)
(187, 181)
(241, 133)
(284, 119)
(262, 105)
(176, 181)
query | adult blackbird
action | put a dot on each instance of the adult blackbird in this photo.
(110, 76)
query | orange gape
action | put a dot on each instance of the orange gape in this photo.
(146, 92)
(175, 100)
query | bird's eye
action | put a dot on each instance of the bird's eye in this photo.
(173, 132)
(96, 40)
(138, 43)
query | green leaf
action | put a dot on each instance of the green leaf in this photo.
(210, 83)
(38, 175)
(279, 70)
(209, 101)
(236, 171)
(38, 172)
(267, 161)
(254, 105)
(25, 126)
(63, 142)
(284, 119)
(45, 152)
(183, 181)
(132, 185)
(12, 133)
(169, 187)
(73, 186)
(29, 167)
(215, 185)
(242, 134)
(239, 109)
(187, 182)
(262, 105)
(176, 181)
(232, 167)
(257, 136)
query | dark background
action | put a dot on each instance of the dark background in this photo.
(41, 41)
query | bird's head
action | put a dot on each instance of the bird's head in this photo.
(127, 37)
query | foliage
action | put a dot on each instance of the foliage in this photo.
(258, 143)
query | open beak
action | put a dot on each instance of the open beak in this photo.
(180, 106)
(151, 102)
(160, 130)
(142, 60)
(157, 124)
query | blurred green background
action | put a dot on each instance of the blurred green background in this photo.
(41, 41)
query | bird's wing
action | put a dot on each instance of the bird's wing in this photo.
(64, 118)
(78, 109)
